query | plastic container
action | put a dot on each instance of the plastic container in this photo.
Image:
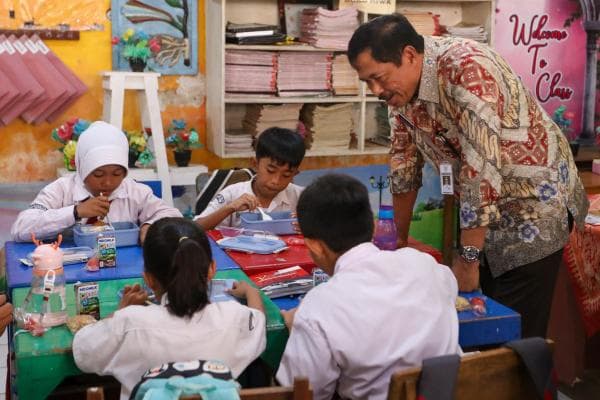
(385, 237)
(280, 225)
(126, 233)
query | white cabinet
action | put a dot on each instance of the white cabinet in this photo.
(225, 112)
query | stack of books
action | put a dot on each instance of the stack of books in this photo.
(304, 74)
(283, 282)
(252, 33)
(382, 134)
(328, 125)
(260, 117)
(250, 71)
(330, 29)
(473, 32)
(425, 23)
(344, 78)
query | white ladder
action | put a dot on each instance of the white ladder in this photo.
(114, 84)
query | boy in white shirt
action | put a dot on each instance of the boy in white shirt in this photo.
(100, 188)
(279, 153)
(381, 311)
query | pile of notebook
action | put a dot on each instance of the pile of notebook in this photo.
(330, 29)
(425, 23)
(304, 73)
(474, 32)
(283, 282)
(328, 125)
(253, 33)
(34, 83)
(250, 71)
(382, 133)
(260, 117)
(343, 78)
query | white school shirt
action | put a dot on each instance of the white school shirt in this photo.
(137, 338)
(52, 210)
(286, 200)
(381, 312)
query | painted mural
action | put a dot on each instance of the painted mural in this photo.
(80, 15)
(169, 26)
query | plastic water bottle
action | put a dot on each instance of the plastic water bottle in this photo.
(385, 237)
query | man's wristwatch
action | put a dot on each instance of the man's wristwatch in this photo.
(75, 213)
(470, 253)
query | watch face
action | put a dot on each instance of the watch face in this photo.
(469, 253)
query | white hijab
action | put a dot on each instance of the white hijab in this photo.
(100, 144)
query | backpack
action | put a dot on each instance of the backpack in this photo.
(210, 183)
(210, 379)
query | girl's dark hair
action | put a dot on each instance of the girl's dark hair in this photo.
(177, 253)
(386, 36)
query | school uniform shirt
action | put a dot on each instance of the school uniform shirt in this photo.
(137, 338)
(52, 210)
(286, 200)
(381, 312)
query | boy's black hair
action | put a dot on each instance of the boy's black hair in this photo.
(386, 36)
(335, 209)
(177, 253)
(282, 145)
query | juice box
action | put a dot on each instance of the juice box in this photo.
(107, 249)
(86, 299)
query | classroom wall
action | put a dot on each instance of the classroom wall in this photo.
(27, 153)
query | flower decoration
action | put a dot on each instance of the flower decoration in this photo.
(137, 45)
(138, 148)
(67, 135)
(528, 231)
(181, 138)
(564, 119)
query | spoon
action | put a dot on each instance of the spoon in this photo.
(265, 216)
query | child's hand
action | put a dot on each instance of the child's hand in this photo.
(245, 202)
(288, 317)
(133, 295)
(6, 313)
(241, 289)
(295, 224)
(93, 207)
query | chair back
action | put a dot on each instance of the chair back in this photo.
(497, 374)
(208, 184)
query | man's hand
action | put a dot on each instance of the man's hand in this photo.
(6, 313)
(467, 274)
(245, 202)
(288, 317)
(93, 207)
(143, 232)
(133, 295)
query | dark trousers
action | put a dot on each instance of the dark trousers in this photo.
(527, 289)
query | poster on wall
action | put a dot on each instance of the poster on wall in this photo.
(544, 42)
(170, 31)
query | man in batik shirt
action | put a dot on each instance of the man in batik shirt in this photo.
(456, 102)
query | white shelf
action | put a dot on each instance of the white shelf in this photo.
(180, 176)
(221, 105)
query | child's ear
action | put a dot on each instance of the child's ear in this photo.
(316, 246)
(212, 270)
(150, 280)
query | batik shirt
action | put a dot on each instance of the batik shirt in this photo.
(513, 168)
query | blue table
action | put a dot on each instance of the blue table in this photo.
(500, 325)
(130, 264)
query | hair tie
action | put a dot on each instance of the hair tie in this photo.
(181, 239)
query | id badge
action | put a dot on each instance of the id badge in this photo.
(446, 178)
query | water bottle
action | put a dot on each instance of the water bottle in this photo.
(385, 237)
(45, 304)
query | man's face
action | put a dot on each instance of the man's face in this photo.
(105, 179)
(394, 84)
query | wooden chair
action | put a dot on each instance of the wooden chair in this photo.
(497, 374)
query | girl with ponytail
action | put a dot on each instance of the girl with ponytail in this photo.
(178, 267)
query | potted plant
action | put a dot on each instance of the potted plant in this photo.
(139, 153)
(182, 140)
(137, 48)
(564, 119)
(67, 135)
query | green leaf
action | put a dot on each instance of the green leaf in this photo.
(174, 3)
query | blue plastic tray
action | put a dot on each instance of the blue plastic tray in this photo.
(252, 244)
(280, 225)
(126, 233)
(218, 291)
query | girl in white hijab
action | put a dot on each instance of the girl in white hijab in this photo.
(100, 188)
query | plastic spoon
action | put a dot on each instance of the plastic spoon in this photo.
(265, 216)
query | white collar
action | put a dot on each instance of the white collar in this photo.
(280, 198)
(355, 255)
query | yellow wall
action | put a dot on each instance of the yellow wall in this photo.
(27, 153)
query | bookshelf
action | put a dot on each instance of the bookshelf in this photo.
(225, 111)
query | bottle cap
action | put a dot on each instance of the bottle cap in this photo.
(386, 212)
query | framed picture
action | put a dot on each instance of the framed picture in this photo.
(291, 10)
(173, 24)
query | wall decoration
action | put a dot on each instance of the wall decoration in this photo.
(81, 15)
(173, 24)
